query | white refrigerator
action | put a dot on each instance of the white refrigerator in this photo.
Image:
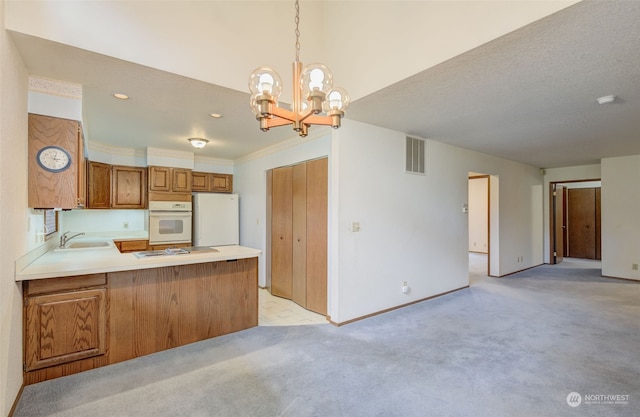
(216, 219)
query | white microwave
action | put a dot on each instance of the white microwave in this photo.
(169, 222)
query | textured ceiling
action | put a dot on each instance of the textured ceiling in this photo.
(528, 96)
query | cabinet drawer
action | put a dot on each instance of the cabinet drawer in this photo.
(132, 245)
(49, 285)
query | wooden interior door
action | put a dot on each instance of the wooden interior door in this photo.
(558, 203)
(299, 290)
(581, 219)
(282, 232)
(317, 224)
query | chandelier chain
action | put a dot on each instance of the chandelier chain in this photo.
(297, 31)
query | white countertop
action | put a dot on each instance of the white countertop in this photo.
(69, 262)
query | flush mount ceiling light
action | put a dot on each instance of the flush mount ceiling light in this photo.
(121, 96)
(198, 142)
(606, 99)
(215, 115)
(314, 83)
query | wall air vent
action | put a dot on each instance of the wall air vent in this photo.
(415, 155)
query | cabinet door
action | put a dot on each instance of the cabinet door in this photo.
(65, 327)
(159, 178)
(48, 189)
(99, 185)
(181, 181)
(199, 181)
(221, 183)
(129, 187)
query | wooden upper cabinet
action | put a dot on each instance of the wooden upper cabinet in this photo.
(199, 181)
(221, 183)
(51, 182)
(116, 186)
(167, 179)
(98, 185)
(181, 180)
(211, 182)
(82, 170)
(159, 178)
(129, 187)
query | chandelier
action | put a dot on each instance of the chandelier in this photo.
(314, 83)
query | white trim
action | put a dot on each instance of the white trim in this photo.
(116, 150)
(212, 161)
(280, 146)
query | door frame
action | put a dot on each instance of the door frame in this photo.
(488, 177)
(552, 237)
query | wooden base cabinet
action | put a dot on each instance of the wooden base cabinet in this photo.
(297, 207)
(65, 320)
(73, 324)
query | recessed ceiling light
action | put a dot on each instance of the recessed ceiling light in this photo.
(215, 115)
(121, 96)
(606, 99)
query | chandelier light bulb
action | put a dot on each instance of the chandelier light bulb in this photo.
(337, 99)
(316, 77)
(265, 80)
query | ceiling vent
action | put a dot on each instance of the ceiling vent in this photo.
(415, 155)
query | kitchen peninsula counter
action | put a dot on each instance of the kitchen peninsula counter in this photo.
(70, 262)
(91, 307)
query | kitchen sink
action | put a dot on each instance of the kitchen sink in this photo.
(81, 245)
(90, 244)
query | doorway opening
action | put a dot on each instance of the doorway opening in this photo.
(574, 220)
(482, 210)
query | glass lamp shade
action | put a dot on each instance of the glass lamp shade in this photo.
(316, 77)
(337, 99)
(264, 80)
(198, 142)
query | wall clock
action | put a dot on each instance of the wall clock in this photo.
(53, 159)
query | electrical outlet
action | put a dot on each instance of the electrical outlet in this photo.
(355, 226)
(125, 225)
(405, 287)
(634, 267)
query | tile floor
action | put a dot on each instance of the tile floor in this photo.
(276, 311)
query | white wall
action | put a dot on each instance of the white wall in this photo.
(249, 181)
(413, 227)
(14, 214)
(429, 32)
(620, 206)
(582, 172)
(479, 215)
(96, 221)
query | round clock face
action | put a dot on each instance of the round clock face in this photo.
(53, 159)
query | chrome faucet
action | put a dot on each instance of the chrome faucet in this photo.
(64, 239)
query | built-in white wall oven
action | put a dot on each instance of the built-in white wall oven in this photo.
(169, 222)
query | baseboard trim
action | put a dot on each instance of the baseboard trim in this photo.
(15, 402)
(342, 323)
(623, 279)
(515, 272)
